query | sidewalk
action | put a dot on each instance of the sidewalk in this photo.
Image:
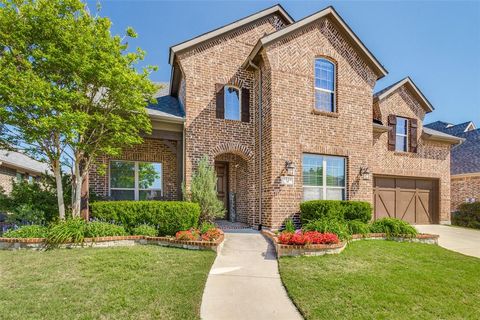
(244, 282)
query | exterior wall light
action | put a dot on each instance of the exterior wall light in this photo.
(365, 173)
(289, 168)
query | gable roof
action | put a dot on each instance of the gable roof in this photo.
(438, 125)
(329, 11)
(449, 128)
(166, 108)
(426, 105)
(22, 162)
(227, 28)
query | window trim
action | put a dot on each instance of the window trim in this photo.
(225, 87)
(324, 186)
(406, 135)
(136, 189)
(315, 88)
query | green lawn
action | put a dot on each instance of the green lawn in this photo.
(385, 280)
(141, 282)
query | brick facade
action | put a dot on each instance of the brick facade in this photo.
(7, 175)
(464, 187)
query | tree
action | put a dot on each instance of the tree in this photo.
(77, 82)
(203, 190)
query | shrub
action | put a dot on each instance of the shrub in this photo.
(393, 227)
(211, 235)
(168, 217)
(206, 226)
(144, 230)
(289, 226)
(203, 190)
(70, 230)
(33, 231)
(329, 225)
(103, 229)
(191, 234)
(358, 227)
(468, 215)
(335, 209)
(310, 237)
(284, 237)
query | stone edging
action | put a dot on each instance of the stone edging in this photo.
(321, 249)
(39, 243)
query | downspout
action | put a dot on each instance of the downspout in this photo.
(260, 129)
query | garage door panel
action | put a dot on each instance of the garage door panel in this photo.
(412, 200)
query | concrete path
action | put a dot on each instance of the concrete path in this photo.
(244, 282)
(463, 240)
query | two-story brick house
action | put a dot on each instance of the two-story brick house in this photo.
(286, 112)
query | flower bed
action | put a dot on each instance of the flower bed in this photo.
(314, 244)
(40, 244)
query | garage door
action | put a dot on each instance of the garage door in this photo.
(412, 200)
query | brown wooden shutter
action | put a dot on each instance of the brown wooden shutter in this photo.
(245, 105)
(392, 123)
(220, 100)
(413, 135)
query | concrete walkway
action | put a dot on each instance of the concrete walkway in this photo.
(463, 240)
(244, 282)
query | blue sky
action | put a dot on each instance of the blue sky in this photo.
(437, 43)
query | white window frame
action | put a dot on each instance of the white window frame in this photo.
(136, 189)
(334, 105)
(225, 88)
(324, 186)
(403, 135)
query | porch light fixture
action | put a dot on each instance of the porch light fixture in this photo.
(365, 173)
(289, 168)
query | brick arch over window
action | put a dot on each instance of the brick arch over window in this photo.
(234, 148)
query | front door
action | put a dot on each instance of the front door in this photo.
(221, 168)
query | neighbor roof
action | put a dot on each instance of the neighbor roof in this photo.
(426, 105)
(166, 108)
(465, 158)
(22, 161)
(449, 128)
(329, 11)
(227, 28)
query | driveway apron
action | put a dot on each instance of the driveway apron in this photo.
(244, 282)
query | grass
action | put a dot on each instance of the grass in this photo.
(141, 282)
(385, 280)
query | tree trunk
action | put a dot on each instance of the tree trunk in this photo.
(77, 190)
(58, 179)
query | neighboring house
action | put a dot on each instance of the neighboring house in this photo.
(465, 162)
(17, 166)
(286, 112)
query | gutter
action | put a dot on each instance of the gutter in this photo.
(260, 129)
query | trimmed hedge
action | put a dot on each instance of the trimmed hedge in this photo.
(468, 215)
(168, 217)
(335, 209)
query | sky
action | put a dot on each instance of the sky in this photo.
(436, 43)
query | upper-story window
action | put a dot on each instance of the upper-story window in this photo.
(232, 103)
(401, 135)
(324, 85)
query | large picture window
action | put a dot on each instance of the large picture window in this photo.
(323, 177)
(134, 180)
(324, 85)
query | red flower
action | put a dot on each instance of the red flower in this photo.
(191, 234)
(211, 235)
(285, 237)
(298, 239)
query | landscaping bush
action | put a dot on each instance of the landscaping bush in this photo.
(309, 237)
(289, 226)
(358, 227)
(103, 229)
(206, 226)
(468, 215)
(191, 235)
(335, 209)
(70, 230)
(211, 235)
(329, 225)
(168, 217)
(393, 227)
(144, 230)
(33, 231)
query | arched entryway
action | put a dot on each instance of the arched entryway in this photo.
(235, 186)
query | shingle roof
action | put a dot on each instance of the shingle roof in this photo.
(22, 161)
(166, 105)
(465, 158)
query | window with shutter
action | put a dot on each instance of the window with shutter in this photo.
(392, 123)
(220, 108)
(413, 135)
(245, 101)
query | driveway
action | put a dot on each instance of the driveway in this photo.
(244, 282)
(463, 240)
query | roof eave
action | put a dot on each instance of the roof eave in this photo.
(426, 105)
(157, 116)
(381, 128)
(450, 140)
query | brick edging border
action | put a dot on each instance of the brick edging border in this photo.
(321, 249)
(39, 243)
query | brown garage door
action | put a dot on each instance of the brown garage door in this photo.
(412, 200)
